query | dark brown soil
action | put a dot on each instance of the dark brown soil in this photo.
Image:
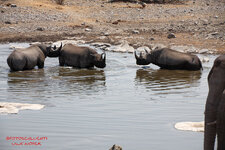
(194, 23)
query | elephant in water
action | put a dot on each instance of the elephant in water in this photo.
(215, 106)
(28, 58)
(167, 58)
(81, 57)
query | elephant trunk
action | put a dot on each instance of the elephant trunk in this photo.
(215, 106)
(210, 130)
(221, 123)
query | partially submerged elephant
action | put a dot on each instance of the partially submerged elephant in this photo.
(215, 106)
(167, 58)
(81, 57)
(28, 58)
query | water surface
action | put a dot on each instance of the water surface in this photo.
(132, 106)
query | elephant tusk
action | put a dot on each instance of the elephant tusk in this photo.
(146, 51)
(211, 123)
(135, 54)
(141, 55)
(59, 49)
(103, 56)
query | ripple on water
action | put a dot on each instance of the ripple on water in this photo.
(122, 102)
(164, 81)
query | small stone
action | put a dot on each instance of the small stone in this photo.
(202, 51)
(83, 24)
(8, 22)
(143, 49)
(135, 32)
(116, 147)
(8, 4)
(13, 5)
(12, 28)
(204, 59)
(116, 22)
(152, 39)
(2, 11)
(88, 29)
(98, 44)
(40, 29)
(124, 47)
(105, 33)
(215, 33)
(205, 22)
(216, 17)
(171, 35)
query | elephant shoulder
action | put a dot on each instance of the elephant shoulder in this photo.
(16, 53)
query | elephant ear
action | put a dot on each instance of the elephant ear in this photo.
(48, 49)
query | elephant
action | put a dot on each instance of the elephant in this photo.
(215, 106)
(28, 58)
(81, 57)
(167, 58)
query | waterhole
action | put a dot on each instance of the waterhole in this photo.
(125, 104)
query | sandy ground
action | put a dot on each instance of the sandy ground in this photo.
(199, 23)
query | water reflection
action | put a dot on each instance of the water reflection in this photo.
(163, 80)
(27, 85)
(28, 76)
(85, 80)
(58, 80)
(84, 76)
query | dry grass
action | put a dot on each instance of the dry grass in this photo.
(149, 1)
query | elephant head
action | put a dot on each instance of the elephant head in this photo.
(213, 123)
(54, 52)
(142, 60)
(99, 60)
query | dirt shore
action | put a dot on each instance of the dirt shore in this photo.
(199, 23)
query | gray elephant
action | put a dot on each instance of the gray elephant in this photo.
(215, 106)
(28, 58)
(167, 58)
(81, 57)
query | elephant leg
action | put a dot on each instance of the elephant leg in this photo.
(210, 130)
(61, 61)
(41, 63)
(18, 65)
(221, 124)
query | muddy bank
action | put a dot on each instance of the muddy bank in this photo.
(197, 24)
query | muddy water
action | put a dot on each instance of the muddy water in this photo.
(123, 103)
